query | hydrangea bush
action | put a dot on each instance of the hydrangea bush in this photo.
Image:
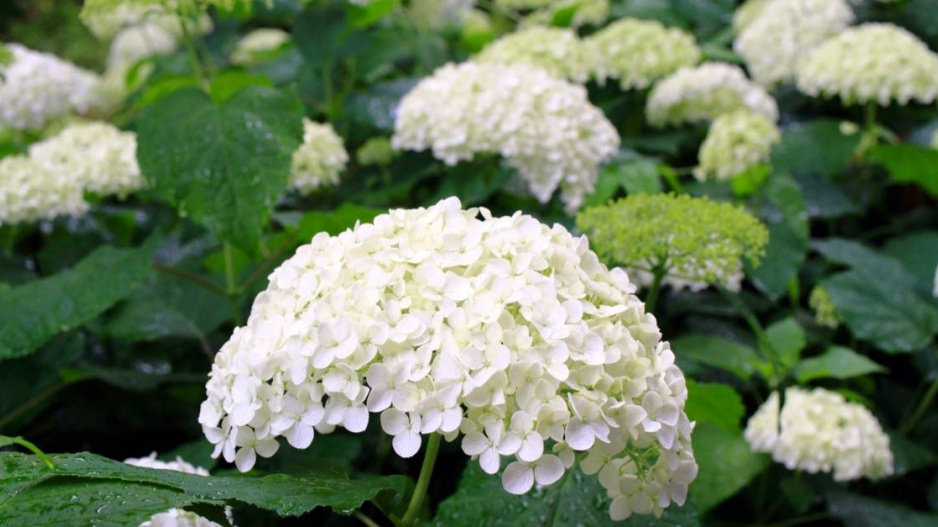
(566, 263)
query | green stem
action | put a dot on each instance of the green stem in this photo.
(760, 333)
(11, 239)
(35, 450)
(922, 407)
(423, 481)
(670, 176)
(197, 66)
(365, 519)
(195, 279)
(231, 289)
(651, 300)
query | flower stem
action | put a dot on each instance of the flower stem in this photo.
(654, 290)
(231, 286)
(35, 450)
(920, 410)
(197, 66)
(760, 333)
(423, 481)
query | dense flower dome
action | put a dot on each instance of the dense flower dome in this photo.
(704, 93)
(95, 156)
(747, 13)
(543, 126)
(872, 63)
(736, 142)
(319, 160)
(106, 18)
(694, 242)
(450, 321)
(135, 43)
(30, 193)
(820, 431)
(258, 42)
(639, 52)
(558, 51)
(36, 88)
(785, 32)
(173, 517)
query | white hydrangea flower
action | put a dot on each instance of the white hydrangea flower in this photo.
(96, 157)
(105, 22)
(704, 93)
(173, 517)
(36, 88)
(135, 43)
(558, 51)
(639, 52)
(319, 160)
(787, 31)
(735, 143)
(440, 14)
(872, 63)
(258, 42)
(30, 192)
(820, 431)
(747, 13)
(543, 126)
(502, 329)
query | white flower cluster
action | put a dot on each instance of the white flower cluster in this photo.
(558, 51)
(785, 32)
(736, 142)
(36, 88)
(639, 52)
(319, 160)
(704, 93)
(173, 517)
(258, 42)
(135, 43)
(441, 14)
(543, 126)
(106, 19)
(872, 63)
(820, 431)
(51, 180)
(747, 13)
(502, 329)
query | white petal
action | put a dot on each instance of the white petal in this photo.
(490, 461)
(532, 447)
(518, 478)
(406, 444)
(548, 470)
(578, 435)
(668, 414)
(300, 436)
(619, 509)
(245, 459)
(474, 443)
(356, 419)
(394, 422)
(267, 447)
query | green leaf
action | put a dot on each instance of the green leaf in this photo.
(726, 465)
(837, 363)
(24, 480)
(787, 222)
(909, 456)
(859, 511)
(823, 199)
(228, 83)
(918, 253)
(223, 165)
(375, 108)
(908, 163)
(334, 222)
(883, 311)
(714, 403)
(863, 259)
(574, 500)
(362, 16)
(33, 313)
(816, 147)
(318, 34)
(787, 339)
(717, 352)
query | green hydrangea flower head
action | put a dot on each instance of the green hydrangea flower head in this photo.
(877, 63)
(376, 151)
(556, 50)
(747, 13)
(736, 142)
(639, 52)
(825, 312)
(693, 241)
(6, 56)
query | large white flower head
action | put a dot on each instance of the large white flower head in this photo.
(639, 52)
(173, 517)
(736, 142)
(30, 192)
(453, 321)
(872, 63)
(704, 93)
(820, 431)
(97, 157)
(257, 43)
(36, 88)
(543, 126)
(139, 42)
(558, 51)
(787, 31)
(106, 18)
(319, 160)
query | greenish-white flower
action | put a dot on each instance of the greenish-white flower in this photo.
(174, 517)
(785, 32)
(29, 192)
(105, 18)
(558, 51)
(258, 43)
(587, 12)
(736, 142)
(639, 52)
(747, 13)
(825, 312)
(705, 93)
(376, 151)
(135, 43)
(877, 63)
(439, 14)
(319, 160)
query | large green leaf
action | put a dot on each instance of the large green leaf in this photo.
(918, 252)
(28, 489)
(726, 464)
(908, 163)
(838, 363)
(863, 259)
(717, 352)
(787, 339)
(816, 147)
(787, 222)
(574, 500)
(222, 164)
(883, 311)
(859, 511)
(33, 313)
(714, 403)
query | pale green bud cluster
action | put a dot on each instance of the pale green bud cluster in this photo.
(135, 43)
(825, 312)
(690, 240)
(587, 13)
(705, 93)
(785, 32)
(639, 52)
(258, 43)
(319, 160)
(376, 151)
(105, 18)
(557, 51)
(872, 63)
(736, 142)
(747, 13)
